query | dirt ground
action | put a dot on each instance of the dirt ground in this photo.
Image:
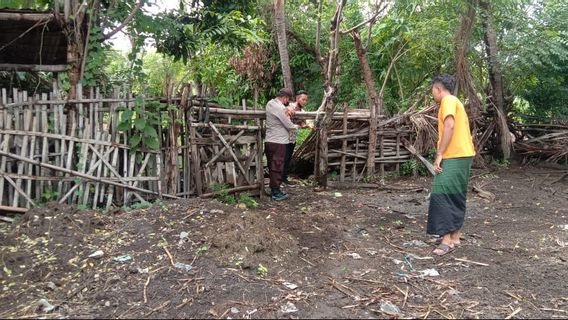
(360, 253)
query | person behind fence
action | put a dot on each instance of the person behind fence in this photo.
(278, 129)
(454, 156)
(301, 102)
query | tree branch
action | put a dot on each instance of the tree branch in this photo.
(366, 47)
(318, 34)
(125, 22)
(370, 20)
(391, 64)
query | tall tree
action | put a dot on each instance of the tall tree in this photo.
(495, 77)
(376, 100)
(330, 70)
(461, 48)
(283, 43)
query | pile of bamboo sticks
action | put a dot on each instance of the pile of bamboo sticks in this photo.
(547, 142)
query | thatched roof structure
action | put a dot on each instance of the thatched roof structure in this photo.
(31, 41)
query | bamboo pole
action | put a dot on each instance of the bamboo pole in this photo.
(259, 164)
(232, 190)
(343, 146)
(23, 153)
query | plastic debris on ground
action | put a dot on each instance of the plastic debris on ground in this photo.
(429, 273)
(389, 308)
(289, 285)
(122, 258)
(289, 308)
(183, 266)
(355, 256)
(97, 254)
(416, 243)
(46, 306)
(338, 194)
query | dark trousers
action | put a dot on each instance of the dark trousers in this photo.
(288, 160)
(275, 154)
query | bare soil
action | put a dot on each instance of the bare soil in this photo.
(359, 253)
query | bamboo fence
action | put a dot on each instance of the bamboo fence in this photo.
(74, 151)
(49, 153)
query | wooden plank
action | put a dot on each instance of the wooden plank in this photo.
(232, 190)
(231, 174)
(13, 209)
(195, 162)
(33, 67)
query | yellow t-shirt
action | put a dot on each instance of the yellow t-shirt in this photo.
(461, 144)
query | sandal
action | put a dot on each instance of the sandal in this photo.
(445, 249)
(437, 241)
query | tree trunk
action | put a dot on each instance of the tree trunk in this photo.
(331, 84)
(496, 78)
(463, 77)
(374, 99)
(283, 43)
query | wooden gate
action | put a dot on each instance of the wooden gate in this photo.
(226, 148)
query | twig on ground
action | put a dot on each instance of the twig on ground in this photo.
(365, 280)
(170, 256)
(183, 304)
(514, 296)
(427, 312)
(400, 249)
(335, 285)
(162, 306)
(514, 313)
(554, 310)
(405, 296)
(225, 313)
(472, 262)
(308, 262)
(145, 289)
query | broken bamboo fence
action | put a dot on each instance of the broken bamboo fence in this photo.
(348, 144)
(48, 153)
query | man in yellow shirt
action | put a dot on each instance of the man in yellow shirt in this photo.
(454, 156)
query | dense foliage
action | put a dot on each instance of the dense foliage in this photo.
(199, 42)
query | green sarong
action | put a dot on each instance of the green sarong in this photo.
(448, 198)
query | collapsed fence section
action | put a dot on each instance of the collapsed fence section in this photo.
(348, 145)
